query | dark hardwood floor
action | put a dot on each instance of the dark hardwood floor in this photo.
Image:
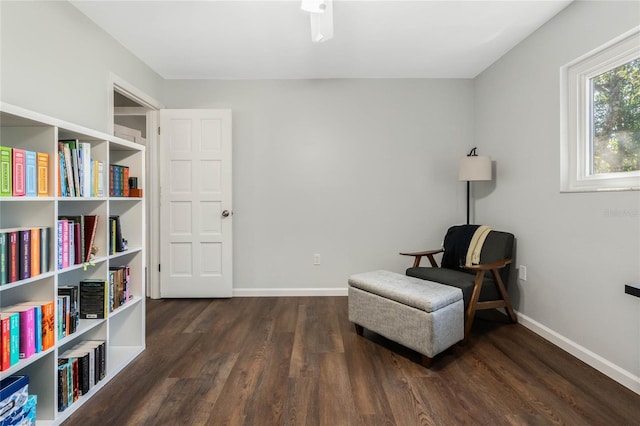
(298, 360)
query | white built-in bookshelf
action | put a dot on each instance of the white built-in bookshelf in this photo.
(124, 328)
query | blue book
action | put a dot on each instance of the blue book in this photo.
(31, 174)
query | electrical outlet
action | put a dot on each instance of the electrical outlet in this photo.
(316, 259)
(522, 272)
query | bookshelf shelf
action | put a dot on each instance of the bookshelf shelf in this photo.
(23, 363)
(123, 330)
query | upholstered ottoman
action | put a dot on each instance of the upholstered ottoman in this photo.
(422, 315)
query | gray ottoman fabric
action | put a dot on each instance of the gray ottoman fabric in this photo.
(424, 316)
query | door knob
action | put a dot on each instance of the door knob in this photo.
(225, 213)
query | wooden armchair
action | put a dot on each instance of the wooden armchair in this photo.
(479, 289)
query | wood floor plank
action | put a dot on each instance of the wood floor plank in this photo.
(298, 361)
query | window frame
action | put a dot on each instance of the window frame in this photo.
(576, 111)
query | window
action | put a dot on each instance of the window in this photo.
(601, 118)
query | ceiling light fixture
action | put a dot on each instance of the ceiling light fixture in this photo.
(321, 15)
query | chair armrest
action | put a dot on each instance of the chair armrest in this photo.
(429, 253)
(488, 266)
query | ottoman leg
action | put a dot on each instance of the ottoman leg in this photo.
(425, 361)
(359, 329)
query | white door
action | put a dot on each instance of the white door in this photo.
(195, 203)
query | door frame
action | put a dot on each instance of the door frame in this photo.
(152, 189)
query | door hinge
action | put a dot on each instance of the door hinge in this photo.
(158, 130)
(158, 267)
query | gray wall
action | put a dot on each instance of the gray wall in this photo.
(57, 62)
(579, 248)
(355, 170)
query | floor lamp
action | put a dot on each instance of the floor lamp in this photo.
(473, 168)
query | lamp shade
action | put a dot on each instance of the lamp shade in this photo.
(475, 167)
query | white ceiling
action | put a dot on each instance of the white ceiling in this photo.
(271, 39)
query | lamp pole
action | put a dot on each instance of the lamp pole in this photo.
(471, 153)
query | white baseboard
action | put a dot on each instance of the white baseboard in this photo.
(288, 292)
(606, 367)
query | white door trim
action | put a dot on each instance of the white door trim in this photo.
(152, 195)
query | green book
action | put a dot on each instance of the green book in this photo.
(6, 188)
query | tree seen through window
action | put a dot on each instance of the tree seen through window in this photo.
(615, 139)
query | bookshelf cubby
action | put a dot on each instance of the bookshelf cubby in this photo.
(123, 329)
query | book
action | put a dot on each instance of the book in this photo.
(25, 254)
(45, 249)
(90, 228)
(65, 152)
(13, 262)
(5, 342)
(63, 190)
(73, 313)
(46, 322)
(10, 338)
(94, 298)
(63, 382)
(27, 329)
(119, 244)
(74, 390)
(125, 181)
(84, 368)
(6, 173)
(31, 174)
(19, 160)
(70, 148)
(63, 242)
(98, 347)
(37, 309)
(72, 241)
(42, 160)
(4, 246)
(35, 251)
(111, 180)
(14, 336)
(85, 149)
(100, 183)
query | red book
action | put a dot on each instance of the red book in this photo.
(77, 243)
(5, 342)
(13, 262)
(19, 173)
(90, 227)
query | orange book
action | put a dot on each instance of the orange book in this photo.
(43, 174)
(48, 324)
(35, 251)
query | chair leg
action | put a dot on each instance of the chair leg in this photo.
(471, 308)
(505, 296)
